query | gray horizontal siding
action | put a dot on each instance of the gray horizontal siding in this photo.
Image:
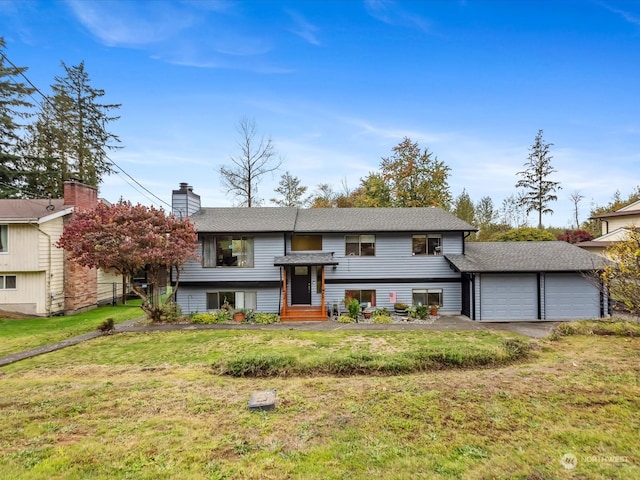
(266, 248)
(192, 300)
(451, 293)
(393, 259)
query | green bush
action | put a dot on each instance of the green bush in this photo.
(422, 311)
(211, 318)
(346, 319)
(171, 312)
(354, 308)
(382, 319)
(262, 318)
(381, 312)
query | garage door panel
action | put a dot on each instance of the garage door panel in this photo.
(570, 296)
(508, 297)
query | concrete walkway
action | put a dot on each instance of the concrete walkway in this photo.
(443, 323)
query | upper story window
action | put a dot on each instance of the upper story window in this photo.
(4, 238)
(8, 282)
(360, 245)
(426, 244)
(306, 242)
(227, 251)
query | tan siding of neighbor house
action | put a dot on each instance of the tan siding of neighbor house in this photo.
(620, 222)
(23, 254)
(27, 298)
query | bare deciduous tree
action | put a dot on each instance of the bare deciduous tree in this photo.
(576, 197)
(256, 158)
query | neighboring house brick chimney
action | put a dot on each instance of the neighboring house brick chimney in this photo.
(184, 202)
(80, 283)
(80, 195)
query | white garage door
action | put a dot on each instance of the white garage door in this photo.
(508, 297)
(570, 295)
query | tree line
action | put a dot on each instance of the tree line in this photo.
(46, 139)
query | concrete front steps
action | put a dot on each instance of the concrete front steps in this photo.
(305, 313)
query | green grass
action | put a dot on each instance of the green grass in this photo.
(290, 353)
(92, 419)
(23, 334)
(150, 406)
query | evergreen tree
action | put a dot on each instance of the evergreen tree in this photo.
(13, 107)
(463, 208)
(539, 191)
(70, 136)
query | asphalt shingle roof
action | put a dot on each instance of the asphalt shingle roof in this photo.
(245, 220)
(28, 209)
(524, 257)
(306, 259)
(317, 220)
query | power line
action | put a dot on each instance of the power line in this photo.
(46, 99)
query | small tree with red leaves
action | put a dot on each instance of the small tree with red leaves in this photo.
(575, 236)
(129, 238)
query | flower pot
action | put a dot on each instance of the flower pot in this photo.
(239, 317)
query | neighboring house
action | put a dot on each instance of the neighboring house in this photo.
(35, 277)
(301, 262)
(529, 281)
(615, 227)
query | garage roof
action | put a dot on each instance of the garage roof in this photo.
(524, 257)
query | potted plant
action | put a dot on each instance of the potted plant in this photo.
(239, 314)
(400, 308)
(433, 309)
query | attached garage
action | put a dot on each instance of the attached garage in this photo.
(509, 297)
(570, 296)
(511, 281)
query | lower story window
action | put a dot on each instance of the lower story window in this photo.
(363, 296)
(8, 282)
(427, 297)
(217, 300)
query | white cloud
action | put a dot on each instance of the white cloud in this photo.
(389, 12)
(304, 29)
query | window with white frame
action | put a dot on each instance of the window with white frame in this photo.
(8, 282)
(227, 251)
(426, 244)
(216, 300)
(4, 238)
(360, 245)
(427, 297)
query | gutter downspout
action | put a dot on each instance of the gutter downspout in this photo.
(49, 300)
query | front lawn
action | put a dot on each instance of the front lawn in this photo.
(151, 406)
(26, 333)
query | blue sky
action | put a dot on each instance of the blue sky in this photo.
(337, 84)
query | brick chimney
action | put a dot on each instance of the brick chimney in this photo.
(79, 194)
(80, 283)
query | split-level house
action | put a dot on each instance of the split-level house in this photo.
(35, 276)
(615, 226)
(302, 262)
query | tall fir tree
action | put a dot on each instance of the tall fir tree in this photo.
(14, 107)
(463, 208)
(70, 138)
(539, 191)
